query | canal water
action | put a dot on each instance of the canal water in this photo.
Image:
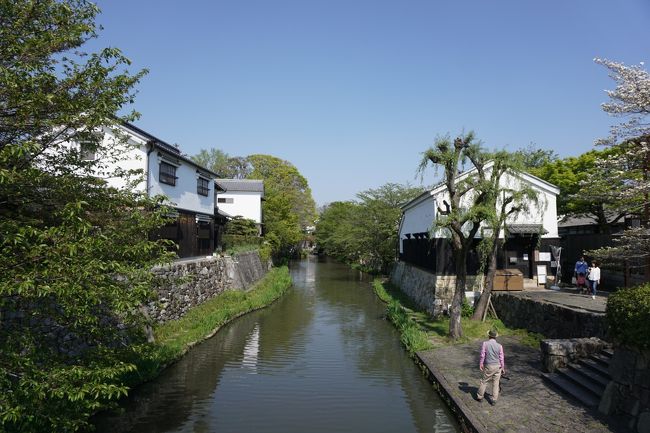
(323, 358)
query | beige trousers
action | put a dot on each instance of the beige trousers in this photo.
(492, 373)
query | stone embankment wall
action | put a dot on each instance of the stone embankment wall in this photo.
(431, 292)
(551, 320)
(185, 284)
(628, 394)
(559, 353)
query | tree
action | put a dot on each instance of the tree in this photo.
(226, 166)
(506, 201)
(241, 226)
(336, 231)
(379, 221)
(469, 205)
(75, 253)
(589, 188)
(364, 232)
(533, 157)
(631, 100)
(288, 207)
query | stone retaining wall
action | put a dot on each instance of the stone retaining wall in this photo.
(628, 394)
(559, 353)
(551, 320)
(185, 284)
(431, 292)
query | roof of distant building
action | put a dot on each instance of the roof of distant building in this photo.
(247, 185)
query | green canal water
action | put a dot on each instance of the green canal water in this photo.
(321, 359)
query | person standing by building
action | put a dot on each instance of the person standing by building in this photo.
(492, 364)
(580, 270)
(594, 279)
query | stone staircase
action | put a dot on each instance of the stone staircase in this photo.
(585, 380)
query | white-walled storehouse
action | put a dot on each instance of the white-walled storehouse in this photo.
(527, 246)
(188, 187)
(241, 197)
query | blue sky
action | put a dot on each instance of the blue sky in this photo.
(351, 92)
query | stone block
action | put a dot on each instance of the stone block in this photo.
(643, 424)
(621, 366)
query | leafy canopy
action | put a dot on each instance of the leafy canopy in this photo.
(75, 253)
(364, 232)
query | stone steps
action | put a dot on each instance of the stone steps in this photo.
(585, 381)
(569, 387)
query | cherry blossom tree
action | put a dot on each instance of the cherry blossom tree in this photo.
(629, 168)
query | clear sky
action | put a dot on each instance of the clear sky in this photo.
(352, 91)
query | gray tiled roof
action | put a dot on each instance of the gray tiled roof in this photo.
(249, 185)
(526, 229)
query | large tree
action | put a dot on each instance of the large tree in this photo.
(630, 100)
(364, 232)
(503, 201)
(226, 166)
(75, 254)
(288, 208)
(589, 188)
(468, 205)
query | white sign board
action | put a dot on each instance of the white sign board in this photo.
(544, 257)
(541, 274)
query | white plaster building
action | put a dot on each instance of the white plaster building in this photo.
(241, 197)
(530, 232)
(188, 187)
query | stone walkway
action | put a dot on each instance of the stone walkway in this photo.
(566, 297)
(526, 404)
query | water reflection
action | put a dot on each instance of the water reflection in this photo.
(320, 359)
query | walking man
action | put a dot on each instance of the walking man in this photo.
(492, 365)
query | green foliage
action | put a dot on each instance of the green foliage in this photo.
(288, 207)
(226, 166)
(75, 253)
(628, 316)
(466, 309)
(533, 157)
(413, 338)
(435, 330)
(241, 226)
(364, 232)
(591, 187)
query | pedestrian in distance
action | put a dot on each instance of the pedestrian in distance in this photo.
(492, 365)
(580, 274)
(594, 279)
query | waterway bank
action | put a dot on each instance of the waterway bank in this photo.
(526, 402)
(175, 338)
(320, 359)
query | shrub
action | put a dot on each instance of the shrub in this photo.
(628, 316)
(466, 309)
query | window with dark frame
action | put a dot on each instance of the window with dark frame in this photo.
(167, 173)
(224, 200)
(87, 151)
(202, 186)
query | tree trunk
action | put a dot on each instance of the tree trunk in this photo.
(455, 328)
(489, 283)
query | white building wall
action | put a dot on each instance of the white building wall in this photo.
(183, 195)
(420, 217)
(132, 156)
(417, 219)
(247, 204)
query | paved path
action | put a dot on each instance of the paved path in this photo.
(567, 298)
(526, 405)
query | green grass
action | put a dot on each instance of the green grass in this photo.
(420, 331)
(174, 338)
